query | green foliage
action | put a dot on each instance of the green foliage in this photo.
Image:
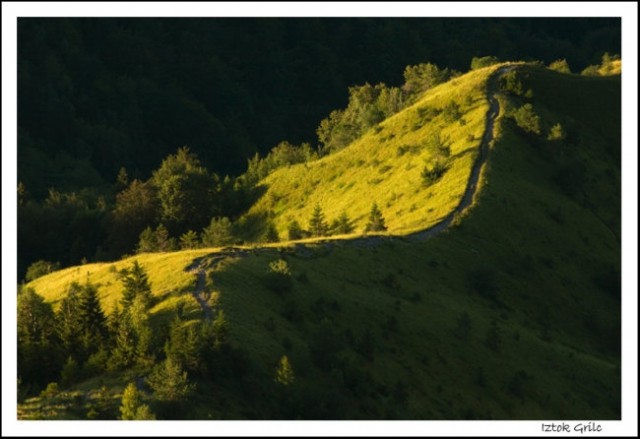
(376, 221)
(40, 268)
(610, 66)
(70, 372)
(342, 225)
(556, 133)
(147, 241)
(133, 336)
(156, 241)
(478, 62)
(122, 180)
(189, 240)
(271, 234)
(38, 361)
(512, 83)
(527, 119)
(560, 65)
(451, 112)
(317, 224)
(434, 172)
(132, 408)
(282, 155)
(420, 78)
(284, 372)
(368, 105)
(184, 345)
(295, 231)
(135, 283)
(219, 233)
(51, 390)
(186, 191)
(136, 208)
(170, 382)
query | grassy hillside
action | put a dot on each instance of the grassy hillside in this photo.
(385, 165)
(513, 313)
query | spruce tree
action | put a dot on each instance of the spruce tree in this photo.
(342, 225)
(132, 407)
(135, 283)
(218, 233)
(169, 382)
(376, 221)
(317, 223)
(295, 231)
(69, 323)
(189, 240)
(94, 322)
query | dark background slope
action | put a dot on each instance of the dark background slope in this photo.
(95, 94)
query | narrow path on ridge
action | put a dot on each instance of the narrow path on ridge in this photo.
(209, 262)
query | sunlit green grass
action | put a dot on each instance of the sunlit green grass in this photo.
(374, 168)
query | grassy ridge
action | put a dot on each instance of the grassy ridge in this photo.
(535, 258)
(385, 165)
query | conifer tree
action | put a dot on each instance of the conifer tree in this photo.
(38, 349)
(284, 372)
(218, 233)
(189, 240)
(169, 382)
(376, 221)
(317, 224)
(135, 283)
(164, 242)
(132, 407)
(94, 322)
(295, 231)
(147, 241)
(342, 225)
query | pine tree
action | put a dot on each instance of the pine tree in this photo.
(169, 382)
(133, 336)
(189, 240)
(164, 242)
(38, 350)
(147, 241)
(317, 223)
(218, 233)
(342, 225)
(184, 345)
(135, 283)
(284, 372)
(69, 323)
(272, 234)
(94, 322)
(295, 231)
(376, 221)
(132, 407)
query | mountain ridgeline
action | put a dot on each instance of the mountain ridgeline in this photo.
(343, 311)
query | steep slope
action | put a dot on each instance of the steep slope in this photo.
(385, 166)
(513, 313)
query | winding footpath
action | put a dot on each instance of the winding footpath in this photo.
(209, 262)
